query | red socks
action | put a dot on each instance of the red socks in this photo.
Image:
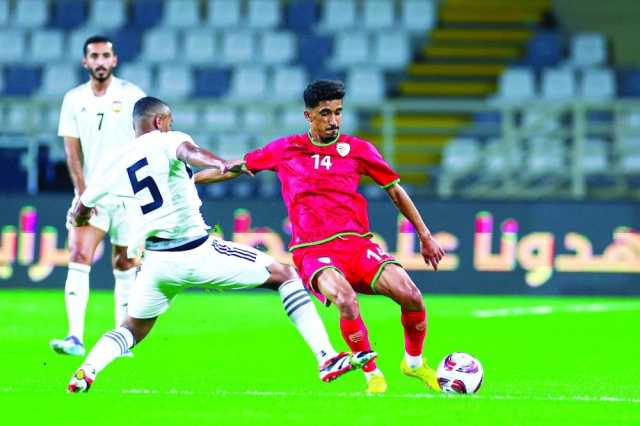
(355, 334)
(415, 330)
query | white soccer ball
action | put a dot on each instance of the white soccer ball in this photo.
(460, 373)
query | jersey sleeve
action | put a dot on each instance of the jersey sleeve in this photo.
(267, 157)
(67, 125)
(174, 141)
(375, 166)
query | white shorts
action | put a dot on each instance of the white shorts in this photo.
(215, 264)
(111, 218)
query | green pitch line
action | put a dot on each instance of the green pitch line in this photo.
(234, 359)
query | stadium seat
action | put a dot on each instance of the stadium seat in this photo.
(496, 160)
(127, 42)
(181, 14)
(221, 118)
(629, 83)
(69, 14)
(248, 83)
(223, 13)
(107, 14)
(21, 80)
(545, 157)
(337, 15)
(4, 13)
(378, 15)
(391, 50)
(159, 45)
(516, 84)
(30, 13)
(185, 118)
(263, 14)
(238, 47)
(630, 155)
(366, 85)
(595, 159)
(277, 48)
(199, 46)
(288, 83)
(1, 87)
(541, 120)
(50, 118)
(588, 50)
(254, 119)
(418, 16)
(13, 46)
(313, 49)
(301, 16)
(16, 117)
(139, 74)
(57, 80)
(146, 13)
(291, 120)
(211, 82)
(558, 84)
(351, 48)
(174, 82)
(460, 157)
(597, 84)
(47, 45)
(233, 144)
(544, 49)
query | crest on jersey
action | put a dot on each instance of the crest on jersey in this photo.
(116, 106)
(343, 149)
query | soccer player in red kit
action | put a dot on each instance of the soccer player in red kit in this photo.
(319, 173)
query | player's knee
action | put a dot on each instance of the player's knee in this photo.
(80, 255)
(347, 303)
(281, 273)
(412, 298)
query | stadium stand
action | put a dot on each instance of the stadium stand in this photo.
(511, 53)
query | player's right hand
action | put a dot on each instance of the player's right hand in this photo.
(238, 166)
(80, 215)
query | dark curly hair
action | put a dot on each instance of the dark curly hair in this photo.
(323, 90)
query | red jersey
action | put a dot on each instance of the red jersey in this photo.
(319, 183)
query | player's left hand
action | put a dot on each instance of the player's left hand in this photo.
(238, 166)
(431, 251)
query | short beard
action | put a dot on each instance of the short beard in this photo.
(100, 79)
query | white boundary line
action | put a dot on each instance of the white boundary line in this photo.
(548, 309)
(287, 394)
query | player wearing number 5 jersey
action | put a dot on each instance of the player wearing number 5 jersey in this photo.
(319, 174)
(155, 179)
(95, 122)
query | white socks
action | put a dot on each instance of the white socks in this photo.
(299, 307)
(124, 281)
(111, 345)
(413, 361)
(76, 296)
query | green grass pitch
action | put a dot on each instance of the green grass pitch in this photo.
(234, 359)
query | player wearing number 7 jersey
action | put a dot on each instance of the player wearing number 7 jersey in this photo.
(95, 122)
(319, 174)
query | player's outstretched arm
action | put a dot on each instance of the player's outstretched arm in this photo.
(237, 168)
(430, 249)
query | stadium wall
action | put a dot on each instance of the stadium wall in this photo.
(494, 247)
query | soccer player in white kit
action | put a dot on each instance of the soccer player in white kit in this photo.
(95, 122)
(156, 181)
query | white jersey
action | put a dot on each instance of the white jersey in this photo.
(103, 124)
(157, 188)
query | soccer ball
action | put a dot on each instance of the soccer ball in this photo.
(460, 373)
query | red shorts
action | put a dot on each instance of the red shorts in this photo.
(357, 258)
